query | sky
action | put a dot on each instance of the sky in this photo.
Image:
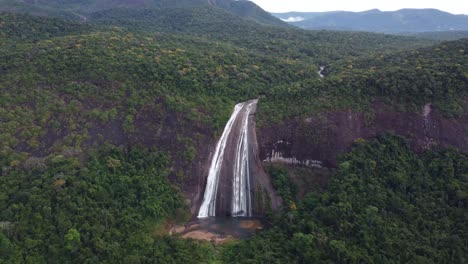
(452, 6)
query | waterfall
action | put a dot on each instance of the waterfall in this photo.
(320, 73)
(234, 144)
(241, 200)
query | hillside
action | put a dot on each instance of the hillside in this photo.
(15, 6)
(108, 67)
(383, 204)
(107, 128)
(420, 94)
(405, 20)
(68, 95)
(82, 8)
(319, 46)
(408, 79)
(441, 35)
(17, 28)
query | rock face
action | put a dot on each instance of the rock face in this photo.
(316, 141)
(236, 177)
(321, 139)
(161, 128)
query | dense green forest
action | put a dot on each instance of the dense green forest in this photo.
(407, 80)
(15, 6)
(17, 28)
(385, 204)
(71, 192)
(111, 210)
(81, 9)
(442, 35)
(312, 46)
(196, 77)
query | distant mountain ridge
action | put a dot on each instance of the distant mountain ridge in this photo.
(404, 20)
(81, 8)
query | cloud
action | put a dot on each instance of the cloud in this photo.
(293, 19)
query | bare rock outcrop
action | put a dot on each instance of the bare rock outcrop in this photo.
(322, 138)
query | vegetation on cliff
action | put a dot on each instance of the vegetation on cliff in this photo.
(69, 89)
(62, 82)
(407, 80)
(385, 204)
(111, 210)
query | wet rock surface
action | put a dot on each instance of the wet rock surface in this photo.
(236, 178)
(326, 136)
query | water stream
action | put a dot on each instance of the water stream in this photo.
(320, 73)
(231, 161)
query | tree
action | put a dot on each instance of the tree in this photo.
(72, 240)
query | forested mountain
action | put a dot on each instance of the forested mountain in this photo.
(17, 27)
(404, 20)
(284, 42)
(107, 126)
(107, 64)
(439, 35)
(408, 79)
(385, 204)
(82, 8)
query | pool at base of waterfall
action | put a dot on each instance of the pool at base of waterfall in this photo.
(218, 229)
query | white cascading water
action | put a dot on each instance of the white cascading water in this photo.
(241, 200)
(320, 73)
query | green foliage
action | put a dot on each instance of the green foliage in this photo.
(128, 124)
(62, 81)
(102, 212)
(18, 27)
(81, 82)
(281, 182)
(291, 44)
(79, 9)
(15, 6)
(385, 205)
(441, 35)
(406, 80)
(72, 239)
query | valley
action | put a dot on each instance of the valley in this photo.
(212, 132)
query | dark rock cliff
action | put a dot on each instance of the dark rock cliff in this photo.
(319, 140)
(163, 129)
(315, 141)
